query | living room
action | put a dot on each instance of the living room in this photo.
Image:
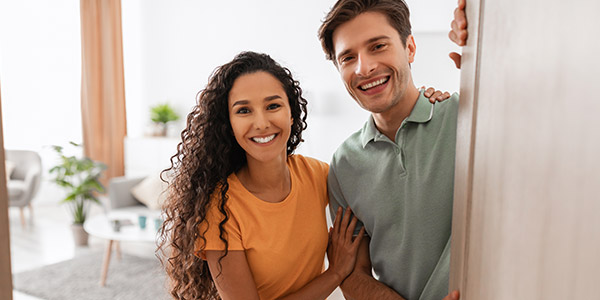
(169, 50)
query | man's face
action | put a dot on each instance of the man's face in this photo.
(373, 62)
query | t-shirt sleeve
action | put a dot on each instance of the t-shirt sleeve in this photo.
(336, 197)
(209, 229)
(323, 178)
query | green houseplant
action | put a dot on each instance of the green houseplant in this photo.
(161, 114)
(80, 177)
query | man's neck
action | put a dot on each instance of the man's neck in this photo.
(389, 121)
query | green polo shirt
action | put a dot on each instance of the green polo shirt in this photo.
(402, 193)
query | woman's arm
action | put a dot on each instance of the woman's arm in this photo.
(233, 277)
(341, 253)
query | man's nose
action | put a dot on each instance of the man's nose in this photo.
(365, 66)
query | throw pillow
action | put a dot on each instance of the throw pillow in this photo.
(10, 167)
(151, 191)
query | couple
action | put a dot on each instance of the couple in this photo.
(245, 218)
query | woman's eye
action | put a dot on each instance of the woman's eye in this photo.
(242, 110)
(273, 106)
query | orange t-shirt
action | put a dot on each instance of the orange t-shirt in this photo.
(285, 242)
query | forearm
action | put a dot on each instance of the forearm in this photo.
(319, 288)
(362, 286)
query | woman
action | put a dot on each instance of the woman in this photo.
(245, 218)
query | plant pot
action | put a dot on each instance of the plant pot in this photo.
(80, 236)
(160, 129)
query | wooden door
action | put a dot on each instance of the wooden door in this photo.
(527, 192)
(5, 269)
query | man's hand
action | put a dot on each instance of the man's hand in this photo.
(459, 33)
(455, 295)
(435, 95)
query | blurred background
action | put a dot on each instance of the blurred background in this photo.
(170, 48)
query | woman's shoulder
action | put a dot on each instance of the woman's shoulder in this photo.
(305, 164)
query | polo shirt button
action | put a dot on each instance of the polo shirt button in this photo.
(397, 151)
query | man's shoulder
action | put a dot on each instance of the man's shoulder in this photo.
(449, 105)
(351, 147)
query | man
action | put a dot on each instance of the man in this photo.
(397, 172)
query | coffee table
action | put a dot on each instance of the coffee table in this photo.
(102, 226)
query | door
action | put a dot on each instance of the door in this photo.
(5, 270)
(527, 191)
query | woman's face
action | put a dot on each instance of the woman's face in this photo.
(260, 115)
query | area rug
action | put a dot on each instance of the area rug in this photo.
(131, 277)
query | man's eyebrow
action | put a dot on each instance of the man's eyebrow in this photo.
(377, 38)
(369, 41)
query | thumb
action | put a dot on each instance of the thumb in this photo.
(456, 58)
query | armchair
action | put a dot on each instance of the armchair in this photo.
(24, 181)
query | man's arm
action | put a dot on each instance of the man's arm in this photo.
(360, 284)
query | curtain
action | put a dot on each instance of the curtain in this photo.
(102, 84)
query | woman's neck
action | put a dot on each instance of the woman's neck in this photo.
(269, 181)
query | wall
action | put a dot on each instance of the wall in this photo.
(40, 69)
(172, 47)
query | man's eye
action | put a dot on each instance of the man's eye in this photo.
(273, 106)
(346, 59)
(379, 46)
(242, 110)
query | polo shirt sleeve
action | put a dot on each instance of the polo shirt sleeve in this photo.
(336, 197)
(209, 229)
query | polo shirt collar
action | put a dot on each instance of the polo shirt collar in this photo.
(421, 113)
(423, 110)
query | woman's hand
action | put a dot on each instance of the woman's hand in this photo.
(342, 248)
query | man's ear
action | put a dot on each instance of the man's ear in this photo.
(411, 48)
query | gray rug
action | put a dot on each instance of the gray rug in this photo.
(131, 277)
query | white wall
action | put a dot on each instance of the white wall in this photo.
(172, 47)
(40, 76)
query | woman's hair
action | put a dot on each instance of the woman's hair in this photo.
(206, 156)
(396, 12)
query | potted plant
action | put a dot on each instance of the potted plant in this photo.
(80, 177)
(162, 114)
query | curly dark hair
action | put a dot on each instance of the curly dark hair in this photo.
(206, 156)
(396, 11)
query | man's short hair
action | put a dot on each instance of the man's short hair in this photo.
(343, 11)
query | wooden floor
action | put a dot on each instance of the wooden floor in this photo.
(47, 239)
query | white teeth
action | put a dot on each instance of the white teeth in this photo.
(263, 139)
(374, 83)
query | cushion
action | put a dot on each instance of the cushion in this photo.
(10, 167)
(151, 191)
(16, 188)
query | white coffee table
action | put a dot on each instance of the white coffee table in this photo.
(101, 226)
